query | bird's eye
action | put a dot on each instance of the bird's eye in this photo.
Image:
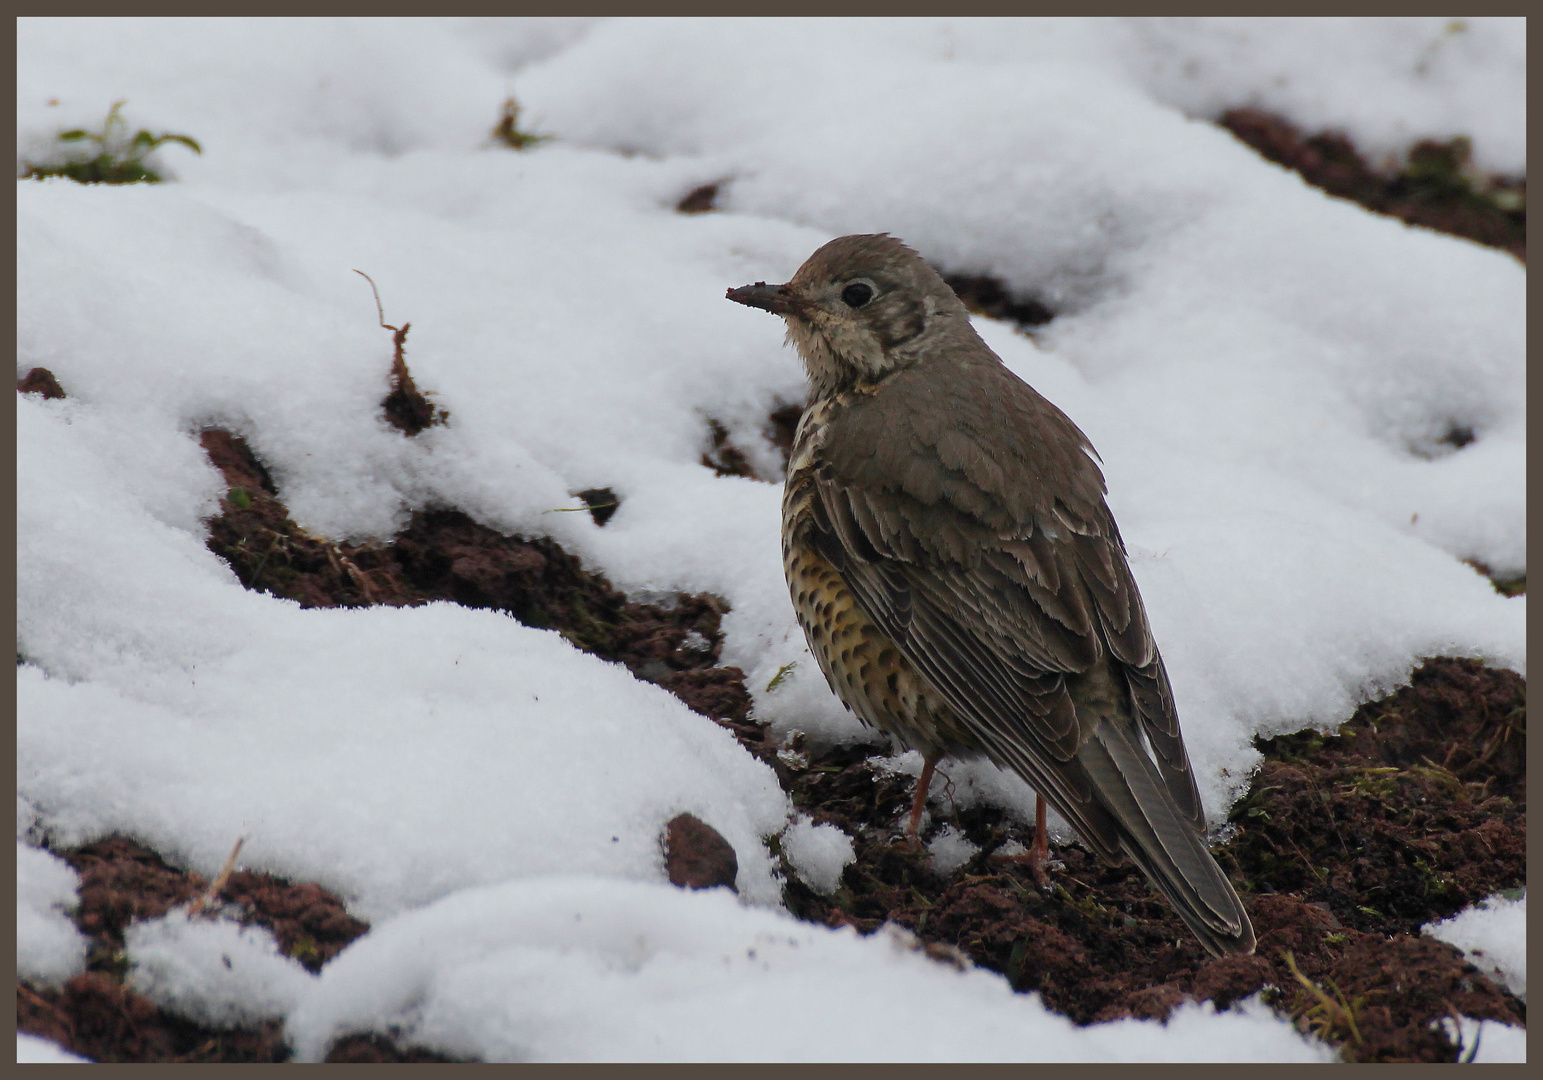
(856, 294)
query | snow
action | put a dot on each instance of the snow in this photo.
(1266, 372)
(577, 968)
(1493, 936)
(817, 853)
(950, 850)
(1488, 1041)
(48, 947)
(31, 1050)
(213, 971)
(1389, 81)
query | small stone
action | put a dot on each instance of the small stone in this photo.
(697, 856)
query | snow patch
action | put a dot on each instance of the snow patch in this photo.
(1493, 936)
(49, 949)
(817, 853)
(213, 971)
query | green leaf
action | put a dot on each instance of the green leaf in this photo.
(73, 135)
(186, 140)
(782, 673)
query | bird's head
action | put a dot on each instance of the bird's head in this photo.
(859, 308)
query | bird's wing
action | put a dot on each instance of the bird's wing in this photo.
(999, 574)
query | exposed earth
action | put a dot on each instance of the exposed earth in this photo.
(1345, 844)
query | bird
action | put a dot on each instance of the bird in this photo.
(960, 579)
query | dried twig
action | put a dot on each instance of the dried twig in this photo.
(209, 895)
(399, 334)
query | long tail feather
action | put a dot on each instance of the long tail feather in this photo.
(1166, 846)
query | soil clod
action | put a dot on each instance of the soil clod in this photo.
(697, 856)
(723, 457)
(602, 503)
(407, 408)
(377, 1050)
(40, 381)
(699, 200)
(990, 297)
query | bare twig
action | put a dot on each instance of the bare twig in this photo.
(399, 333)
(359, 578)
(209, 895)
(380, 312)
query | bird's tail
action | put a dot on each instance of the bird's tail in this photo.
(1163, 844)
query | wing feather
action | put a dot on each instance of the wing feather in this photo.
(995, 593)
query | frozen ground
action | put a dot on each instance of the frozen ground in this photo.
(1273, 379)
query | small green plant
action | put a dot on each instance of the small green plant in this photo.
(118, 158)
(782, 673)
(507, 130)
(1330, 1018)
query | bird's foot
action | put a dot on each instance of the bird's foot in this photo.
(1037, 856)
(1036, 859)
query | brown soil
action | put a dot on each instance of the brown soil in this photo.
(1433, 187)
(445, 555)
(699, 200)
(990, 297)
(726, 459)
(406, 408)
(97, 1016)
(723, 457)
(1344, 845)
(40, 381)
(441, 555)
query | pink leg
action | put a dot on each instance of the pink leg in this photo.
(1037, 857)
(1039, 852)
(919, 803)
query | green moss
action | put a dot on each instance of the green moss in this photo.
(782, 673)
(304, 951)
(115, 157)
(507, 130)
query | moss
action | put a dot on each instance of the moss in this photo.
(507, 130)
(118, 157)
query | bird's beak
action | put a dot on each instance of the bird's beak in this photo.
(777, 299)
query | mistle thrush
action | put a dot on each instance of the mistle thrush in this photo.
(960, 579)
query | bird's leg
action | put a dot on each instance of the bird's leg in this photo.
(1039, 851)
(1037, 856)
(919, 803)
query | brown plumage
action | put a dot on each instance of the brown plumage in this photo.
(960, 578)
